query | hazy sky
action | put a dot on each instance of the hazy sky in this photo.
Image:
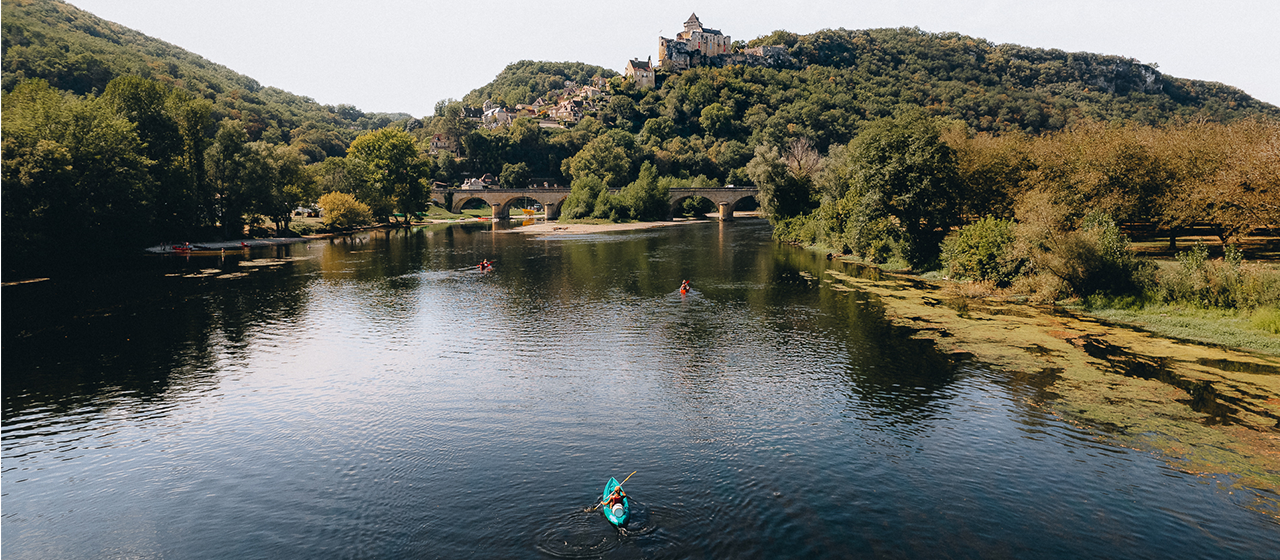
(404, 55)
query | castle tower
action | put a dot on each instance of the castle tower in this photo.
(692, 24)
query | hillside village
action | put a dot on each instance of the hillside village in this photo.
(695, 46)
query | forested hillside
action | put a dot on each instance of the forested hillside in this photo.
(527, 80)
(78, 52)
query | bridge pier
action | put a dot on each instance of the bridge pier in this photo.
(726, 211)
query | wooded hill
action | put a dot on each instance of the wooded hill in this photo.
(78, 52)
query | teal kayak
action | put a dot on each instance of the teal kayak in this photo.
(616, 515)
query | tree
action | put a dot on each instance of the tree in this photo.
(1226, 175)
(228, 170)
(783, 193)
(716, 120)
(341, 210)
(991, 168)
(514, 176)
(583, 194)
(171, 125)
(281, 182)
(446, 168)
(451, 121)
(983, 250)
(74, 173)
(658, 130)
(646, 198)
(398, 171)
(609, 157)
(900, 186)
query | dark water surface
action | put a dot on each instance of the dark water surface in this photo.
(378, 397)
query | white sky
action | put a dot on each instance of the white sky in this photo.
(404, 55)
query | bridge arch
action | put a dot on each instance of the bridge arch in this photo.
(725, 199)
(501, 200)
(460, 203)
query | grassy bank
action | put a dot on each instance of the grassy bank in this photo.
(1243, 329)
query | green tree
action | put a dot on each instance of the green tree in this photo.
(716, 120)
(229, 171)
(514, 176)
(74, 173)
(583, 194)
(646, 198)
(281, 183)
(610, 157)
(786, 191)
(983, 250)
(398, 171)
(899, 168)
(171, 125)
(658, 130)
(447, 170)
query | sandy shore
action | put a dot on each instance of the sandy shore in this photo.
(556, 228)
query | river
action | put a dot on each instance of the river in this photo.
(378, 396)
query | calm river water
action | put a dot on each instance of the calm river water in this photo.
(380, 397)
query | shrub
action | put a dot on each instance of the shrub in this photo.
(581, 202)
(1093, 259)
(1226, 283)
(983, 250)
(341, 210)
(302, 228)
(1039, 288)
(1267, 319)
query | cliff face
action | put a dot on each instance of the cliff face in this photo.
(1125, 77)
(1032, 68)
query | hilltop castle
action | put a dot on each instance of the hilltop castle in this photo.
(702, 46)
(691, 45)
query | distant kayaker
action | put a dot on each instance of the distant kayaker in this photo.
(684, 287)
(485, 265)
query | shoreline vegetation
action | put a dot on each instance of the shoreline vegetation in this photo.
(1208, 408)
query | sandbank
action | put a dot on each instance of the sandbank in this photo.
(557, 228)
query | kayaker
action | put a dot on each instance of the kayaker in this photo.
(684, 286)
(615, 497)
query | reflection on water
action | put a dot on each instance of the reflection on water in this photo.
(378, 395)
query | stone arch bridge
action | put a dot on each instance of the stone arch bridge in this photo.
(502, 200)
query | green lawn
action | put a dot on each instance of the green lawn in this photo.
(1235, 329)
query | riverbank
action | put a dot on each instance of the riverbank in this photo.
(537, 228)
(1210, 410)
